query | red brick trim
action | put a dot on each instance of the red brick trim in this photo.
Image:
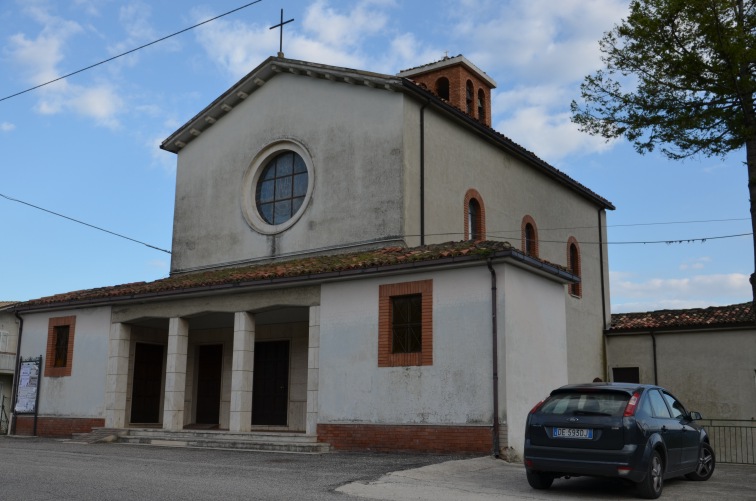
(528, 220)
(50, 369)
(56, 426)
(409, 438)
(385, 292)
(473, 194)
(575, 267)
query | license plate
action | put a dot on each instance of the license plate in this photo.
(579, 433)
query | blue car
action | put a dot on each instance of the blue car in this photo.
(637, 432)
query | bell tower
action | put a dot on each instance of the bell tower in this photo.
(458, 81)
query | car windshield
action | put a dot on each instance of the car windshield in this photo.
(593, 404)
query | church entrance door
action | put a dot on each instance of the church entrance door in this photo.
(270, 390)
(147, 383)
(209, 373)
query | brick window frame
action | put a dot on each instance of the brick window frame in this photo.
(385, 292)
(480, 219)
(574, 264)
(52, 323)
(534, 247)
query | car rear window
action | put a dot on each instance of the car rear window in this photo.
(598, 404)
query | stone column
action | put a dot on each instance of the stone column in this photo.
(313, 365)
(117, 377)
(242, 372)
(175, 374)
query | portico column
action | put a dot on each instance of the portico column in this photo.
(175, 374)
(313, 369)
(242, 372)
(118, 375)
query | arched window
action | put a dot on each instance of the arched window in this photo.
(481, 105)
(469, 96)
(442, 88)
(475, 216)
(573, 263)
(529, 232)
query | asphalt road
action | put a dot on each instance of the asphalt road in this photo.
(43, 469)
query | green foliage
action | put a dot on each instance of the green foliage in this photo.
(680, 74)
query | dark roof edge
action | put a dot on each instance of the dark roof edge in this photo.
(509, 145)
(541, 267)
(678, 329)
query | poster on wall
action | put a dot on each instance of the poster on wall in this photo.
(28, 386)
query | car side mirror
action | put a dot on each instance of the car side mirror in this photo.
(695, 416)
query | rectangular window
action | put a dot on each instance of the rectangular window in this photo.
(626, 375)
(60, 346)
(405, 330)
(407, 324)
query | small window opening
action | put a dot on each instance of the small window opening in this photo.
(61, 345)
(469, 97)
(481, 105)
(442, 88)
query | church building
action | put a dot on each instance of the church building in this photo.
(358, 259)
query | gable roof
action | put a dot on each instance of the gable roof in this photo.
(273, 66)
(736, 315)
(302, 271)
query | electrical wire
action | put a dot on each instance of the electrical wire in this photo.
(130, 51)
(85, 224)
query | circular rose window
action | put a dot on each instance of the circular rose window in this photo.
(277, 187)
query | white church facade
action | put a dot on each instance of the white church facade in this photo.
(358, 258)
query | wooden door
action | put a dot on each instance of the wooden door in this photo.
(147, 383)
(209, 373)
(270, 390)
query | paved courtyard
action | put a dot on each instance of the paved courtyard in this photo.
(44, 469)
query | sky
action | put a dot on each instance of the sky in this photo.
(86, 147)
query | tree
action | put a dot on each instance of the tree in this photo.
(680, 74)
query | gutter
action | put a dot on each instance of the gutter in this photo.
(495, 368)
(16, 374)
(653, 342)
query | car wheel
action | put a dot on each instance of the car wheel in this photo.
(539, 480)
(705, 466)
(651, 486)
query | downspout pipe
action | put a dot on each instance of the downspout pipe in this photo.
(422, 172)
(653, 342)
(16, 374)
(495, 351)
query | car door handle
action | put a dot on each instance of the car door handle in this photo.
(664, 428)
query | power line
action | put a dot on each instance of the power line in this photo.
(85, 224)
(130, 51)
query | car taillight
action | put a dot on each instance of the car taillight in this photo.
(536, 407)
(632, 405)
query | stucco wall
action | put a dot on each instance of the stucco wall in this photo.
(535, 340)
(82, 394)
(353, 136)
(457, 388)
(458, 159)
(713, 372)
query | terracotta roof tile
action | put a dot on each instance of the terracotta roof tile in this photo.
(694, 318)
(309, 267)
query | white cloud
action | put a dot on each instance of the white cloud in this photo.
(38, 59)
(697, 263)
(7, 127)
(673, 293)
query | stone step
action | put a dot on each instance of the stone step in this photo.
(98, 435)
(282, 442)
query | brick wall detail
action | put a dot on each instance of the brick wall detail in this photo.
(56, 426)
(458, 76)
(409, 438)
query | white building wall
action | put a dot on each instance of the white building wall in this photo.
(712, 372)
(458, 159)
(456, 389)
(82, 394)
(353, 136)
(535, 346)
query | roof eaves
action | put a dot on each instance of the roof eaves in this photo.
(509, 145)
(257, 78)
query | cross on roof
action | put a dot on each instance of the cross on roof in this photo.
(280, 39)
